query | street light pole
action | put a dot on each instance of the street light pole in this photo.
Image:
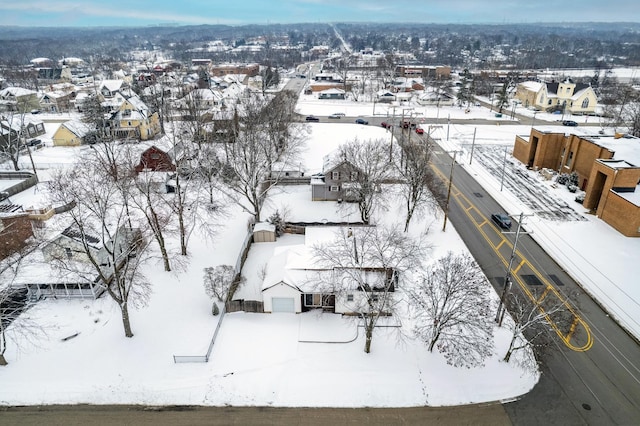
(446, 206)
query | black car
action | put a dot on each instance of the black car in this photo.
(312, 118)
(570, 123)
(502, 220)
(361, 121)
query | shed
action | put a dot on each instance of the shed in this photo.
(264, 232)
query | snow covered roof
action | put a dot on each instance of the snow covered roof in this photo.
(40, 60)
(77, 127)
(333, 90)
(112, 85)
(264, 226)
(533, 86)
(15, 92)
(627, 149)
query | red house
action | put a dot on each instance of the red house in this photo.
(153, 159)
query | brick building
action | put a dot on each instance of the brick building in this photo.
(608, 169)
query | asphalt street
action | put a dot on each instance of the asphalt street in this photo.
(592, 374)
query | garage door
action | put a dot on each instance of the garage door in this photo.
(282, 304)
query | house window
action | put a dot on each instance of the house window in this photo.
(354, 176)
(569, 159)
(568, 89)
(68, 252)
(155, 156)
(335, 175)
(374, 297)
(549, 103)
(334, 188)
(313, 300)
(585, 103)
(349, 297)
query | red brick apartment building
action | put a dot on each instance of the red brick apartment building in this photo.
(608, 169)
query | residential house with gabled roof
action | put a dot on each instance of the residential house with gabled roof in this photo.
(135, 120)
(336, 182)
(109, 88)
(55, 101)
(19, 126)
(295, 281)
(154, 159)
(18, 99)
(567, 96)
(71, 133)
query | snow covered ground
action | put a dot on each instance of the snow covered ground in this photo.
(261, 359)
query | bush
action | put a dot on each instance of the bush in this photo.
(562, 178)
(572, 188)
(276, 219)
(573, 179)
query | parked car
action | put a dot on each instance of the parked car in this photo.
(386, 125)
(34, 143)
(335, 116)
(419, 130)
(361, 121)
(312, 118)
(570, 123)
(502, 220)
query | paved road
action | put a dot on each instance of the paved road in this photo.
(593, 376)
(493, 415)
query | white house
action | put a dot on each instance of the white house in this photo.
(295, 281)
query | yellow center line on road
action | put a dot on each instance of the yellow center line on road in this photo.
(480, 221)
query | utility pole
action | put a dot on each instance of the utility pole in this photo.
(473, 144)
(446, 206)
(504, 165)
(448, 121)
(507, 279)
(391, 128)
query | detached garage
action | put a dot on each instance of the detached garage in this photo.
(281, 297)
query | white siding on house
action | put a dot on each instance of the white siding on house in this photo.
(280, 291)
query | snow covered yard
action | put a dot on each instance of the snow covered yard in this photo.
(258, 359)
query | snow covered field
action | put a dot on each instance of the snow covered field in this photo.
(260, 359)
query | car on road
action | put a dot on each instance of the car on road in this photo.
(570, 123)
(361, 121)
(386, 125)
(312, 118)
(419, 130)
(336, 115)
(502, 220)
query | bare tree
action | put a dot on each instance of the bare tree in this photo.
(419, 188)
(220, 283)
(369, 261)
(452, 310)
(370, 160)
(530, 323)
(149, 201)
(12, 326)
(113, 241)
(265, 134)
